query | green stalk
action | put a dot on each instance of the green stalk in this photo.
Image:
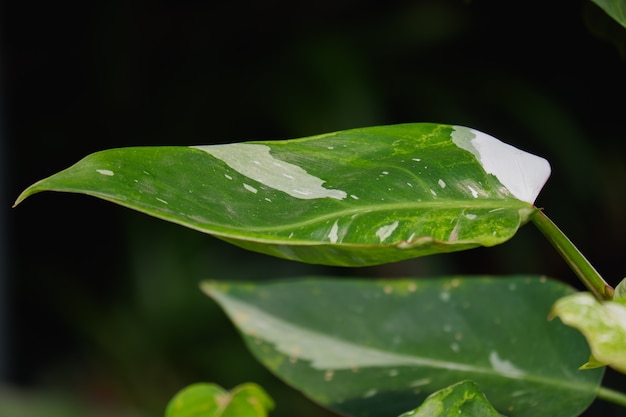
(610, 395)
(579, 264)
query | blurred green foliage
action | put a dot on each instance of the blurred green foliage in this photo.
(616, 9)
(105, 312)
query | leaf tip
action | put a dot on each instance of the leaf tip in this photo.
(521, 173)
(23, 195)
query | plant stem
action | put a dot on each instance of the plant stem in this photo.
(610, 395)
(579, 264)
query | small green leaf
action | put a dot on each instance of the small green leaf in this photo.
(602, 323)
(461, 399)
(378, 348)
(210, 400)
(614, 8)
(357, 197)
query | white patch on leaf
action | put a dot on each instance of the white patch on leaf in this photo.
(522, 174)
(106, 172)
(473, 191)
(333, 235)
(385, 231)
(503, 366)
(256, 162)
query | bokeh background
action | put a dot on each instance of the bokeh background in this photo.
(100, 313)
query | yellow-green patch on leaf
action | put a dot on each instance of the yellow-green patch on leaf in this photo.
(602, 323)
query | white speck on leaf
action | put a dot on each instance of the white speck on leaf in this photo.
(473, 191)
(370, 393)
(454, 234)
(332, 235)
(354, 197)
(250, 188)
(420, 382)
(470, 216)
(503, 366)
(385, 231)
(441, 183)
(161, 200)
(106, 172)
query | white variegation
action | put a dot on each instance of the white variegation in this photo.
(522, 174)
(256, 162)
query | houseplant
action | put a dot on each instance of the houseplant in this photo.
(371, 196)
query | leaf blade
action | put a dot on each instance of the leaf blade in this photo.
(357, 197)
(360, 347)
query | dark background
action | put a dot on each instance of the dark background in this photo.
(99, 308)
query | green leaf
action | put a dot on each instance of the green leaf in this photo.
(602, 323)
(614, 8)
(356, 197)
(378, 348)
(461, 399)
(210, 400)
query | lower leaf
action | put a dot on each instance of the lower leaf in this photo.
(377, 348)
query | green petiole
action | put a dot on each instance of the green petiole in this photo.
(576, 260)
